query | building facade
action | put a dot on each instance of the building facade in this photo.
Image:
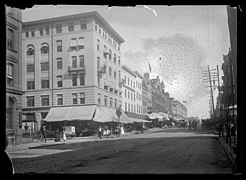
(132, 91)
(147, 98)
(72, 60)
(180, 111)
(13, 75)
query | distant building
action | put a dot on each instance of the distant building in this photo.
(13, 75)
(70, 61)
(132, 96)
(180, 110)
(147, 98)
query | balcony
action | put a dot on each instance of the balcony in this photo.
(76, 69)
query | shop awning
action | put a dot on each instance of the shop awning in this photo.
(123, 118)
(154, 116)
(139, 120)
(70, 113)
(102, 115)
(165, 115)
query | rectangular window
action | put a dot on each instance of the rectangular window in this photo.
(10, 43)
(131, 83)
(41, 31)
(59, 99)
(105, 100)
(27, 34)
(47, 30)
(59, 28)
(10, 74)
(74, 98)
(98, 62)
(81, 44)
(81, 61)
(128, 81)
(30, 68)
(82, 98)
(128, 95)
(125, 106)
(82, 79)
(110, 71)
(114, 75)
(129, 107)
(59, 45)
(99, 98)
(44, 100)
(96, 27)
(119, 76)
(33, 32)
(74, 61)
(115, 103)
(125, 93)
(30, 85)
(111, 102)
(70, 27)
(30, 101)
(98, 44)
(74, 79)
(59, 81)
(83, 25)
(59, 63)
(45, 66)
(44, 84)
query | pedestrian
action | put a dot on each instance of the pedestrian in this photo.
(64, 136)
(57, 137)
(100, 131)
(44, 133)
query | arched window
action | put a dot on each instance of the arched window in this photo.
(30, 50)
(44, 48)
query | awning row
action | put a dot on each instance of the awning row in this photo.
(93, 112)
(140, 120)
(158, 116)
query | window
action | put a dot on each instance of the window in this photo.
(96, 27)
(30, 85)
(99, 98)
(44, 83)
(110, 54)
(134, 97)
(115, 58)
(119, 76)
(128, 95)
(125, 93)
(45, 66)
(30, 101)
(131, 83)
(59, 81)
(83, 25)
(111, 102)
(73, 45)
(30, 51)
(74, 79)
(44, 49)
(10, 74)
(47, 30)
(134, 84)
(30, 68)
(27, 34)
(105, 100)
(134, 109)
(82, 79)
(129, 107)
(33, 32)
(70, 27)
(115, 103)
(81, 44)
(82, 98)
(131, 96)
(74, 61)
(59, 99)
(10, 42)
(41, 31)
(110, 71)
(58, 28)
(59, 63)
(125, 106)
(45, 100)
(99, 30)
(59, 45)
(114, 75)
(98, 62)
(128, 81)
(81, 61)
(98, 45)
(74, 96)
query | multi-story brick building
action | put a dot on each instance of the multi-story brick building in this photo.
(147, 98)
(132, 92)
(70, 61)
(13, 75)
(180, 111)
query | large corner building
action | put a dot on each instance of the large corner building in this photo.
(70, 61)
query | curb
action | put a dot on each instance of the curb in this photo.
(42, 146)
(228, 152)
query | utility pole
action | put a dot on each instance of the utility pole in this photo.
(211, 89)
(219, 92)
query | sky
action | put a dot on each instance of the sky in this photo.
(179, 42)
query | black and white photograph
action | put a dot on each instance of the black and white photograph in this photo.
(99, 89)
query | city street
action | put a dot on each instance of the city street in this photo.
(163, 151)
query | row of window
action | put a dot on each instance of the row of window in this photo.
(131, 95)
(59, 98)
(46, 30)
(45, 82)
(133, 108)
(132, 83)
(106, 36)
(108, 101)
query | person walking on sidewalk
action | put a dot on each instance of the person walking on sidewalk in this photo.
(100, 131)
(64, 136)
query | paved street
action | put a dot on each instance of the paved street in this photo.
(163, 151)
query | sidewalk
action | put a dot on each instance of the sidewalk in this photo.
(228, 150)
